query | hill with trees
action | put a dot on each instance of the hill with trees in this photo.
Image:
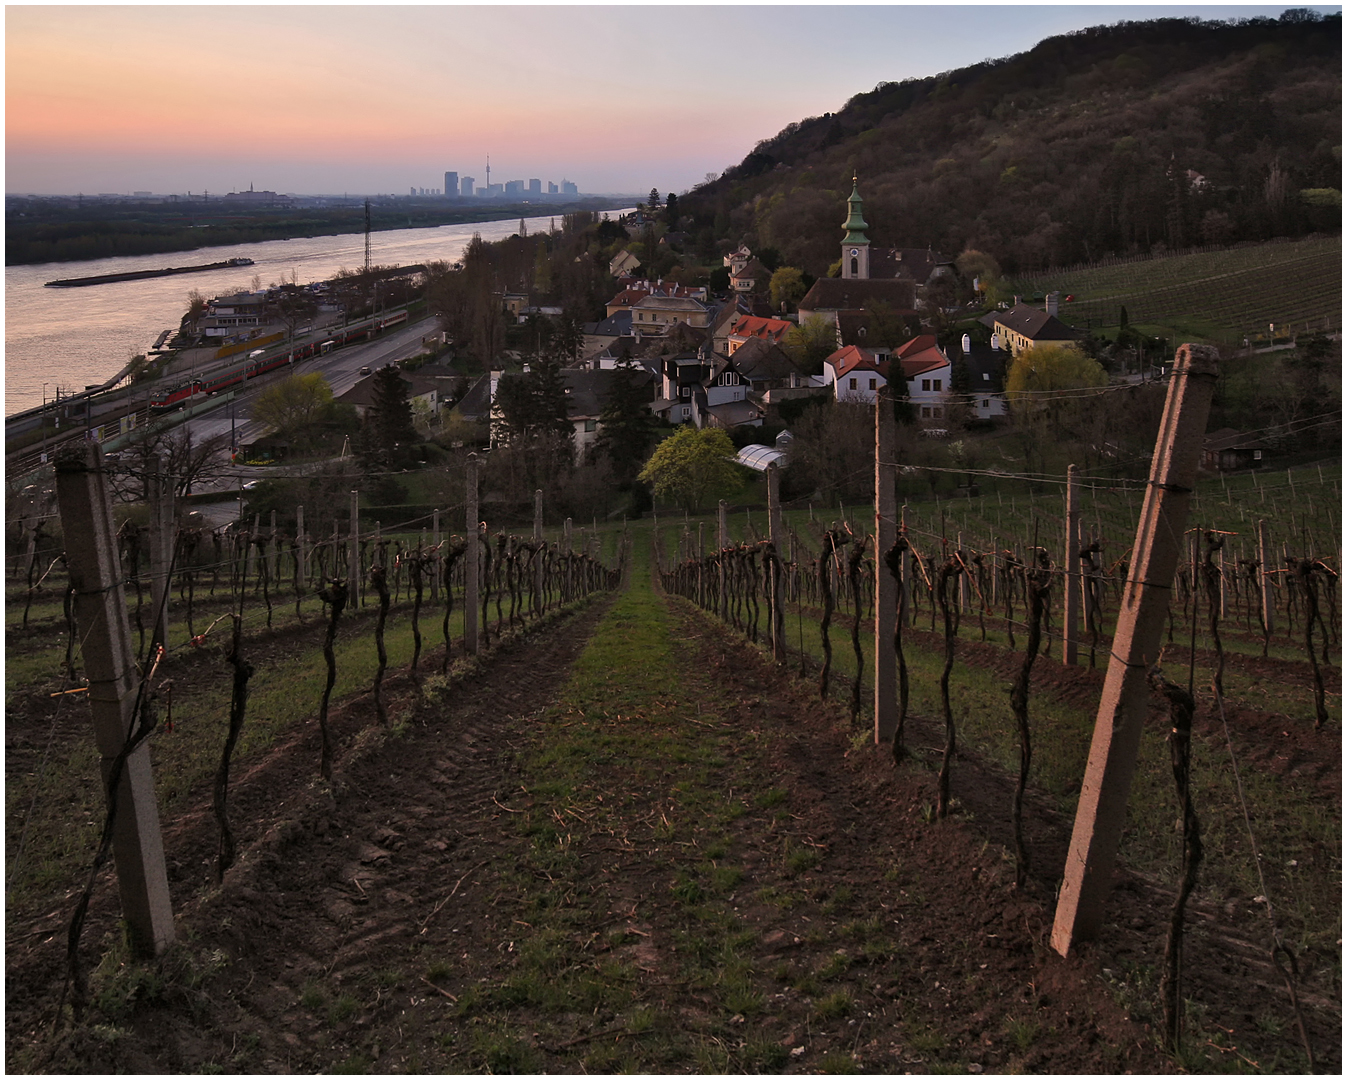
(1111, 141)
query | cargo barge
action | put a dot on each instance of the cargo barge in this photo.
(138, 275)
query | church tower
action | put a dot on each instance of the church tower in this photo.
(855, 247)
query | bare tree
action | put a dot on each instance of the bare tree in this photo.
(189, 461)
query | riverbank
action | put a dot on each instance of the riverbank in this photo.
(52, 233)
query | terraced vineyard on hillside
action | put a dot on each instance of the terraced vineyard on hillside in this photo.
(1224, 295)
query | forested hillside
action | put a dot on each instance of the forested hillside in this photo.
(1115, 140)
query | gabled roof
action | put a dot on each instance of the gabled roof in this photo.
(1034, 323)
(614, 326)
(915, 263)
(586, 390)
(986, 367)
(920, 355)
(476, 403)
(753, 269)
(1230, 439)
(751, 326)
(760, 360)
(851, 294)
(851, 358)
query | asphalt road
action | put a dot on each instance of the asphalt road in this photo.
(341, 368)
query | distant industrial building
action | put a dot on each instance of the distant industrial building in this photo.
(465, 186)
(451, 184)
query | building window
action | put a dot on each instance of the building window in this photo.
(935, 384)
(872, 384)
(686, 412)
(986, 403)
(925, 412)
(591, 425)
(685, 392)
(851, 384)
(926, 384)
(1258, 455)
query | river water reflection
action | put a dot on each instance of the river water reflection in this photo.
(76, 337)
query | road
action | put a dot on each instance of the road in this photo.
(341, 368)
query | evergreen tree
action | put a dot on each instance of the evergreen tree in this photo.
(625, 424)
(388, 432)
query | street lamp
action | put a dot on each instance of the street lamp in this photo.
(42, 419)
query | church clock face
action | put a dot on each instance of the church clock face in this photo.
(854, 252)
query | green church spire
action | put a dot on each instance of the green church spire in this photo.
(855, 224)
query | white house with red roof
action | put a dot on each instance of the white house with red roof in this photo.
(927, 371)
(855, 374)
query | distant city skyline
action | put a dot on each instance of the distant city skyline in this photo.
(368, 100)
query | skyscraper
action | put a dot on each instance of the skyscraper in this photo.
(568, 188)
(465, 186)
(451, 184)
(535, 187)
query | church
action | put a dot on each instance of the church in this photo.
(896, 277)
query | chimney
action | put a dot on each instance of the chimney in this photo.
(1017, 301)
(1050, 303)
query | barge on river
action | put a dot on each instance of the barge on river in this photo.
(138, 275)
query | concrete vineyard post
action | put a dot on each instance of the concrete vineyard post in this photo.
(1102, 807)
(100, 604)
(1071, 565)
(722, 542)
(886, 588)
(300, 554)
(471, 570)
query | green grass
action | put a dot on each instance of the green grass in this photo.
(1215, 295)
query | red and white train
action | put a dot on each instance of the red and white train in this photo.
(257, 365)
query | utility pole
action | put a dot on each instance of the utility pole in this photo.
(100, 610)
(1102, 808)
(886, 588)
(471, 571)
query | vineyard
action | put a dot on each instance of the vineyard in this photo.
(643, 824)
(1224, 295)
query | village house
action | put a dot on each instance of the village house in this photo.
(739, 258)
(747, 278)
(1021, 326)
(1229, 449)
(750, 327)
(226, 316)
(655, 313)
(430, 390)
(855, 374)
(623, 264)
(927, 371)
(986, 367)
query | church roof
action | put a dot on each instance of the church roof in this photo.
(851, 294)
(855, 224)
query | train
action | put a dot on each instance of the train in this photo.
(257, 364)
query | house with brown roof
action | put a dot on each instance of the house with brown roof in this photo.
(655, 313)
(1021, 326)
(624, 262)
(748, 277)
(1228, 449)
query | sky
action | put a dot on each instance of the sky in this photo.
(364, 99)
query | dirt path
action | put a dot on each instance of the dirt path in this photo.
(444, 907)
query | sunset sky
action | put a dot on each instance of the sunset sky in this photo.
(364, 99)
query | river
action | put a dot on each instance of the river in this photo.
(83, 336)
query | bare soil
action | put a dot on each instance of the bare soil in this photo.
(356, 883)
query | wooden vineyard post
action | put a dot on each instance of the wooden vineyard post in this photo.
(1071, 590)
(100, 605)
(776, 533)
(353, 565)
(1265, 574)
(303, 562)
(538, 543)
(471, 570)
(437, 560)
(886, 588)
(722, 542)
(1102, 808)
(161, 548)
